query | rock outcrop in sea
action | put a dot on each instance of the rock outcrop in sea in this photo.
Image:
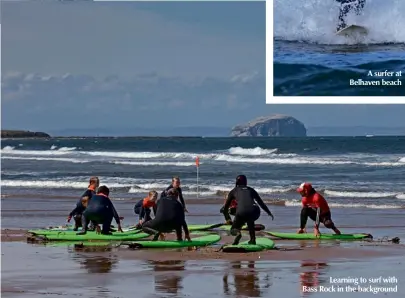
(23, 134)
(271, 126)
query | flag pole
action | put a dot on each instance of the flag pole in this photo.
(197, 163)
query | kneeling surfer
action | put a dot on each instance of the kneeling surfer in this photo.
(247, 212)
(315, 207)
(81, 205)
(345, 7)
(100, 210)
(144, 206)
(170, 216)
(231, 210)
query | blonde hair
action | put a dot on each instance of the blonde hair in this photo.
(94, 180)
(152, 193)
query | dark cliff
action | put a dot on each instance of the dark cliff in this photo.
(23, 134)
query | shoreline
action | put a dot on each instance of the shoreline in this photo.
(212, 200)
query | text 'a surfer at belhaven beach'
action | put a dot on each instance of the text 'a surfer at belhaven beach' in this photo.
(380, 78)
(336, 48)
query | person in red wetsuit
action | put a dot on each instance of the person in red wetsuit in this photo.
(144, 206)
(315, 207)
(231, 210)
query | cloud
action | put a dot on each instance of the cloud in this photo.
(73, 101)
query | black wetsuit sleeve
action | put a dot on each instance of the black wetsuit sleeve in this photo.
(231, 196)
(114, 211)
(154, 209)
(87, 193)
(163, 193)
(78, 209)
(142, 212)
(181, 198)
(259, 201)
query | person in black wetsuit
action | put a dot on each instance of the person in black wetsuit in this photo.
(347, 6)
(247, 212)
(175, 184)
(145, 206)
(100, 210)
(82, 204)
(169, 216)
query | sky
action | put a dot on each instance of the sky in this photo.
(87, 65)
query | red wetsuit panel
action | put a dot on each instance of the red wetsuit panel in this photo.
(147, 203)
(316, 201)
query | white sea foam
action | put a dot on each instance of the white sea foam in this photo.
(155, 163)
(350, 205)
(251, 151)
(315, 21)
(73, 160)
(353, 194)
(236, 155)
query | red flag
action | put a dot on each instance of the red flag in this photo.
(197, 162)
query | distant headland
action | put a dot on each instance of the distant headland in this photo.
(5, 133)
(271, 126)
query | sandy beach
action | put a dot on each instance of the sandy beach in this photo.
(294, 269)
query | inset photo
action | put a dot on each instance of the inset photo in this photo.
(339, 48)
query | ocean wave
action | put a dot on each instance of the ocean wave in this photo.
(329, 81)
(11, 150)
(53, 147)
(137, 185)
(350, 205)
(401, 196)
(257, 151)
(315, 21)
(49, 184)
(236, 155)
(352, 194)
(157, 163)
(72, 160)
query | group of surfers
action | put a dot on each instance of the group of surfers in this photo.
(95, 208)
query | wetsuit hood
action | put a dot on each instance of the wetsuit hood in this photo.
(241, 180)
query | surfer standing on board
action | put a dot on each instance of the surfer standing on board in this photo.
(347, 6)
(315, 207)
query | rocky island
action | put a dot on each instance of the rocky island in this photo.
(23, 134)
(271, 126)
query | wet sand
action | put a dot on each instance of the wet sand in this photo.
(37, 270)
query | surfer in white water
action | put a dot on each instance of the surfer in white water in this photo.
(347, 6)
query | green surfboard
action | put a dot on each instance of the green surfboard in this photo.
(261, 244)
(198, 241)
(258, 227)
(311, 236)
(191, 227)
(72, 236)
(54, 232)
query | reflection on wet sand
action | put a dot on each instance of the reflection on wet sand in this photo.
(94, 263)
(167, 281)
(312, 275)
(246, 281)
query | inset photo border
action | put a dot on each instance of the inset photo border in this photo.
(335, 52)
